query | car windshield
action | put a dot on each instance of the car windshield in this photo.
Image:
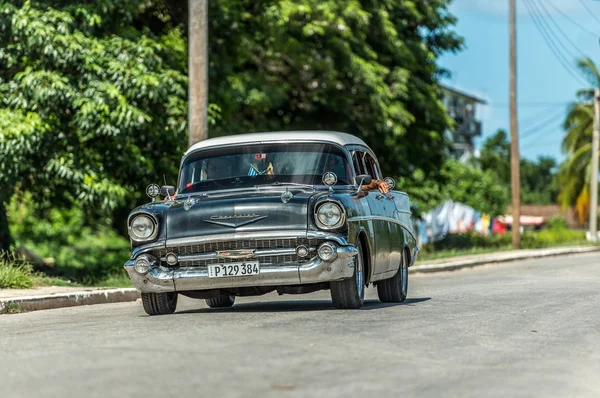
(262, 164)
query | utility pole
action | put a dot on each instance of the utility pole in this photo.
(197, 71)
(514, 130)
(594, 184)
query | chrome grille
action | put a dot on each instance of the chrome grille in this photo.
(211, 247)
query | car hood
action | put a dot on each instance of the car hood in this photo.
(244, 212)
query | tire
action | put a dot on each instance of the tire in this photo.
(395, 289)
(221, 301)
(350, 293)
(159, 303)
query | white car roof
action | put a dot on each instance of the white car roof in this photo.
(322, 136)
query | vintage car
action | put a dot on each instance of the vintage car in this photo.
(292, 212)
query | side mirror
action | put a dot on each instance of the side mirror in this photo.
(391, 182)
(167, 190)
(365, 178)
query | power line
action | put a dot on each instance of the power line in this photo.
(555, 50)
(590, 11)
(541, 125)
(536, 116)
(561, 12)
(530, 104)
(541, 3)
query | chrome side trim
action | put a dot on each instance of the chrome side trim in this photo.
(380, 218)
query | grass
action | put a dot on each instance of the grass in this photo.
(116, 280)
(472, 245)
(16, 275)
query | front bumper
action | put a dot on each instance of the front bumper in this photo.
(160, 279)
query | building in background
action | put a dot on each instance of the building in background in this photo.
(462, 107)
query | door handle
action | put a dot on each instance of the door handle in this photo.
(379, 197)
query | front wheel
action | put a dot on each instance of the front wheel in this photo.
(350, 293)
(395, 289)
(221, 301)
(159, 303)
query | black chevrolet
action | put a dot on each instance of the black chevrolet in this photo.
(290, 212)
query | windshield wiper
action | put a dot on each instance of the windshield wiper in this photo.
(279, 183)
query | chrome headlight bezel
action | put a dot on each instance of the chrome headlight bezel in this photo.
(154, 233)
(339, 224)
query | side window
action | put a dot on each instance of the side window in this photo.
(357, 162)
(371, 166)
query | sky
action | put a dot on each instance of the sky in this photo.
(545, 87)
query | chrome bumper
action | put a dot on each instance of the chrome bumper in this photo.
(160, 279)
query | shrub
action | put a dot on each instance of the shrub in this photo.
(556, 223)
(15, 276)
(80, 253)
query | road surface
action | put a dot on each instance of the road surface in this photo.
(530, 328)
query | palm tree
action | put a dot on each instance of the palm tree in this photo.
(575, 172)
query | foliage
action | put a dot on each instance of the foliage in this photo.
(93, 94)
(575, 172)
(539, 184)
(556, 223)
(116, 280)
(464, 183)
(15, 276)
(93, 100)
(468, 243)
(80, 253)
(367, 68)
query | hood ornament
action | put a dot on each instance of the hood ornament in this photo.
(236, 220)
(189, 202)
(286, 196)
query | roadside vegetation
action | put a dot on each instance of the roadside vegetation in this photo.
(554, 234)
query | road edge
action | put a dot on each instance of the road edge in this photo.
(71, 299)
(504, 257)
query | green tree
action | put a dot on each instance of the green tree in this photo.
(363, 67)
(93, 94)
(464, 183)
(575, 172)
(93, 101)
(538, 178)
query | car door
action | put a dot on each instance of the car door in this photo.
(380, 261)
(390, 231)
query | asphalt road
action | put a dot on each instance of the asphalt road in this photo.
(526, 329)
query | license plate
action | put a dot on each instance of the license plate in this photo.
(245, 268)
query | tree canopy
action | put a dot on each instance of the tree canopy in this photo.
(94, 94)
(538, 178)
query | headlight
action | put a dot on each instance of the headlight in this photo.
(142, 228)
(330, 215)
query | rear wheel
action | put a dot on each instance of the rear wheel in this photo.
(159, 303)
(395, 289)
(350, 293)
(221, 301)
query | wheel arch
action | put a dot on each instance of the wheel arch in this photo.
(363, 240)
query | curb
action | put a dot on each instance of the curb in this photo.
(61, 300)
(499, 258)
